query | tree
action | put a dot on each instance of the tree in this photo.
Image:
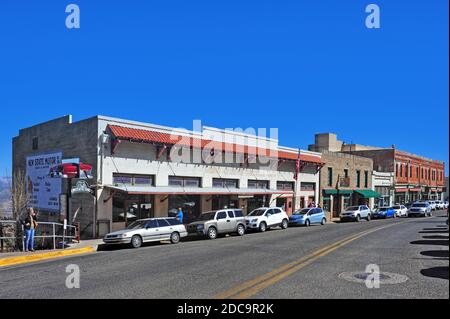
(20, 200)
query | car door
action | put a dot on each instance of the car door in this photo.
(277, 216)
(316, 216)
(222, 221)
(165, 229)
(364, 211)
(270, 217)
(233, 221)
(151, 231)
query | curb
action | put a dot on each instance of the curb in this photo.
(11, 261)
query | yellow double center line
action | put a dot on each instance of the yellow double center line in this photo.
(251, 287)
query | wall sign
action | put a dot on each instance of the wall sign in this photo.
(44, 191)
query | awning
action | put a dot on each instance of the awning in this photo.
(417, 189)
(401, 190)
(368, 193)
(170, 190)
(335, 192)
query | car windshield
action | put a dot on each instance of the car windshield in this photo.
(396, 207)
(137, 224)
(207, 216)
(302, 211)
(352, 208)
(419, 205)
(257, 212)
(382, 209)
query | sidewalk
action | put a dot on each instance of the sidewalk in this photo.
(20, 257)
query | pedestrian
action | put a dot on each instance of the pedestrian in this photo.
(29, 224)
(180, 215)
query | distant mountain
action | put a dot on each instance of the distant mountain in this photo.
(5, 196)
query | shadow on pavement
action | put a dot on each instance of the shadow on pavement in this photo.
(435, 253)
(436, 272)
(435, 237)
(433, 232)
(430, 242)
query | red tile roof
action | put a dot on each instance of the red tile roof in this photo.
(148, 136)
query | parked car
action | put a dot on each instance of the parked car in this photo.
(148, 230)
(440, 205)
(218, 222)
(445, 204)
(408, 205)
(356, 213)
(420, 209)
(266, 217)
(308, 216)
(432, 204)
(400, 210)
(384, 212)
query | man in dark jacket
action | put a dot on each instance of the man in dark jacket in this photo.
(29, 224)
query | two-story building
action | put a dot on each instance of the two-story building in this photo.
(143, 170)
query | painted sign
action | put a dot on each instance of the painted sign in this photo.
(44, 191)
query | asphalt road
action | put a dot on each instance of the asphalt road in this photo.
(294, 263)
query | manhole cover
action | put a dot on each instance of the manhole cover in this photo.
(386, 278)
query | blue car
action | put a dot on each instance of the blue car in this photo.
(384, 212)
(308, 216)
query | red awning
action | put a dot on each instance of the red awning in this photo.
(149, 136)
(415, 189)
(401, 190)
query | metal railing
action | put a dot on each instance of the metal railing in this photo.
(48, 232)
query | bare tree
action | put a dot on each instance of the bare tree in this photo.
(20, 200)
(19, 195)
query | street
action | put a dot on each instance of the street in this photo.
(315, 262)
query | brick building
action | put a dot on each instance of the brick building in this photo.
(415, 177)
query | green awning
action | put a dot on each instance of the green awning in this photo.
(368, 193)
(335, 192)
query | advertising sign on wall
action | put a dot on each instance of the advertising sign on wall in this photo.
(44, 191)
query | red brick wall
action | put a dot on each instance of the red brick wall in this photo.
(410, 169)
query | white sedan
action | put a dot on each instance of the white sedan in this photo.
(400, 210)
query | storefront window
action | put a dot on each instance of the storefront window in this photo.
(190, 204)
(224, 201)
(128, 208)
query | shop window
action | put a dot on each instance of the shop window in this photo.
(143, 180)
(225, 183)
(258, 184)
(184, 181)
(346, 173)
(285, 186)
(307, 187)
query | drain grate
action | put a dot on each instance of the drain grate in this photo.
(386, 278)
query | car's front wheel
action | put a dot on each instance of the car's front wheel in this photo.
(284, 224)
(136, 241)
(175, 238)
(240, 230)
(212, 233)
(262, 227)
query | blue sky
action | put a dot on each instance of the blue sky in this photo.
(301, 66)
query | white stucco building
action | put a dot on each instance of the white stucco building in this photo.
(143, 170)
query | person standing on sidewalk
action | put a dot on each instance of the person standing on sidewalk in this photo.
(29, 224)
(180, 215)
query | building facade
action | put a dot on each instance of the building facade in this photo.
(143, 170)
(383, 184)
(415, 177)
(345, 180)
